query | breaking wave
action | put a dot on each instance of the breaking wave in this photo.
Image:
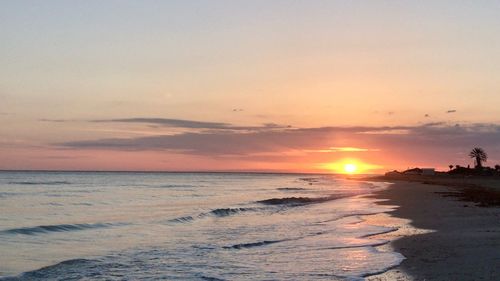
(76, 268)
(224, 212)
(221, 212)
(300, 200)
(182, 219)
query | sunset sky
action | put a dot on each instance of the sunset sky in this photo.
(296, 86)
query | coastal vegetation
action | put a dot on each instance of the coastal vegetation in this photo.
(479, 155)
(479, 184)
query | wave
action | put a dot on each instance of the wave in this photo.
(299, 200)
(52, 204)
(310, 180)
(224, 212)
(82, 204)
(39, 182)
(288, 201)
(8, 194)
(290, 188)
(182, 219)
(49, 272)
(208, 278)
(174, 185)
(386, 230)
(253, 244)
(375, 243)
(221, 212)
(54, 228)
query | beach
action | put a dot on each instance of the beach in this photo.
(448, 237)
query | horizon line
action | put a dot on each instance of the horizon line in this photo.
(178, 172)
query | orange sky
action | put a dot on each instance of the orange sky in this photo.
(258, 86)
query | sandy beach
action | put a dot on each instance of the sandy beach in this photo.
(447, 238)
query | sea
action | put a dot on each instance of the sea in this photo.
(189, 226)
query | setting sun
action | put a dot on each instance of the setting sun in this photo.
(350, 168)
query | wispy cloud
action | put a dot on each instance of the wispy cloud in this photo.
(416, 139)
(352, 149)
(178, 123)
(55, 120)
(191, 124)
(342, 149)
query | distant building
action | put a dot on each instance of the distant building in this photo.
(414, 171)
(419, 171)
(392, 173)
(428, 171)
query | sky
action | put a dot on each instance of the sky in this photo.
(295, 86)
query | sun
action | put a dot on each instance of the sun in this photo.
(350, 168)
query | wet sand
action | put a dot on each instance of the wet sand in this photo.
(446, 239)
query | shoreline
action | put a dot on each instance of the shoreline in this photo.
(442, 237)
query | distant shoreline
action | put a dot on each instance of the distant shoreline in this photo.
(482, 190)
(465, 241)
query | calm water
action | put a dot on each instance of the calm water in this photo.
(180, 226)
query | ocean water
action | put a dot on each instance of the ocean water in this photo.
(188, 226)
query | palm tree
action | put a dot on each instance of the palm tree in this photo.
(479, 155)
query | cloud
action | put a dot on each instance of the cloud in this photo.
(434, 124)
(427, 140)
(191, 124)
(352, 149)
(451, 111)
(179, 123)
(344, 149)
(55, 120)
(204, 143)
